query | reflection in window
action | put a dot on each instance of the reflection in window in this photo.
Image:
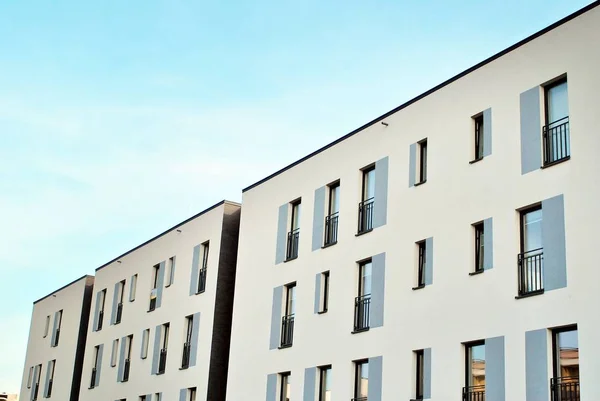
(286, 391)
(325, 384)
(361, 385)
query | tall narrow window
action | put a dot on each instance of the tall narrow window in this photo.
(565, 383)
(365, 207)
(474, 389)
(287, 322)
(154, 292)
(325, 383)
(421, 263)
(331, 221)
(478, 123)
(192, 394)
(361, 381)
(170, 271)
(203, 269)
(479, 243)
(126, 368)
(286, 381)
(47, 326)
(101, 311)
(531, 258)
(94, 379)
(145, 341)
(114, 352)
(58, 321)
(324, 292)
(294, 233)
(556, 131)
(419, 374)
(162, 362)
(50, 374)
(36, 384)
(121, 289)
(189, 325)
(422, 161)
(362, 303)
(133, 287)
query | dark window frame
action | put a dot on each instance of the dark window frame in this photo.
(422, 161)
(325, 292)
(555, 351)
(479, 125)
(284, 378)
(547, 87)
(522, 213)
(357, 370)
(155, 271)
(365, 171)
(479, 229)
(467, 348)
(419, 376)
(421, 263)
(323, 371)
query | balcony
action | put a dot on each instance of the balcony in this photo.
(292, 244)
(331, 229)
(287, 331)
(162, 362)
(365, 216)
(100, 320)
(201, 281)
(126, 370)
(93, 381)
(531, 272)
(556, 141)
(473, 393)
(362, 305)
(119, 313)
(565, 388)
(185, 359)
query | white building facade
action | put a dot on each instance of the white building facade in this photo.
(160, 319)
(443, 251)
(56, 342)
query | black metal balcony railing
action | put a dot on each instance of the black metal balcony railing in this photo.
(100, 320)
(162, 362)
(531, 272)
(119, 313)
(185, 358)
(49, 392)
(152, 304)
(56, 337)
(126, 368)
(93, 381)
(362, 306)
(287, 331)
(292, 244)
(556, 141)
(331, 228)
(35, 389)
(365, 215)
(565, 388)
(201, 280)
(474, 393)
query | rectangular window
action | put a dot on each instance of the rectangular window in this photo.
(285, 391)
(50, 374)
(331, 221)
(361, 380)
(133, 287)
(95, 366)
(57, 330)
(128, 345)
(145, 341)
(287, 322)
(365, 207)
(325, 383)
(114, 352)
(531, 258)
(474, 371)
(191, 394)
(421, 263)
(565, 383)
(120, 297)
(203, 269)
(47, 326)
(556, 130)
(478, 124)
(294, 233)
(479, 243)
(143, 398)
(187, 344)
(154, 292)
(36, 385)
(162, 363)
(324, 292)
(422, 161)
(419, 374)
(362, 303)
(170, 266)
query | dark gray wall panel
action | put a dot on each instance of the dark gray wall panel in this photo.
(281, 233)
(495, 369)
(536, 365)
(531, 131)
(276, 317)
(318, 218)
(377, 290)
(553, 238)
(381, 192)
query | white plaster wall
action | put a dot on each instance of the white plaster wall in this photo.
(176, 305)
(39, 351)
(457, 307)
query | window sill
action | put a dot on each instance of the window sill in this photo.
(363, 233)
(290, 259)
(476, 272)
(418, 287)
(160, 373)
(285, 346)
(360, 331)
(328, 245)
(476, 160)
(182, 368)
(555, 162)
(530, 294)
(200, 292)
(420, 183)
(91, 388)
(322, 312)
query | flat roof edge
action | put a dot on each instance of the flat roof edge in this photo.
(85, 276)
(432, 90)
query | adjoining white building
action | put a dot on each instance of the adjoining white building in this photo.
(443, 251)
(160, 320)
(56, 343)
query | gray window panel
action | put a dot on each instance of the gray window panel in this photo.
(113, 316)
(276, 317)
(487, 132)
(57, 317)
(553, 237)
(488, 244)
(318, 292)
(531, 130)
(381, 192)
(281, 245)
(121, 368)
(536, 365)
(195, 337)
(271, 387)
(427, 373)
(160, 284)
(195, 270)
(377, 290)
(156, 349)
(310, 379)
(494, 369)
(375, 378)
(429, 261)
(318, 218)
(412, 165)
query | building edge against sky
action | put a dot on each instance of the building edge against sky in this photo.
(270, 213)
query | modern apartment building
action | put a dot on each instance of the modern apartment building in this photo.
(160, 320)
(56, 342)
(443, 251)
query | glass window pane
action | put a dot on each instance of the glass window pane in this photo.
(296, 216)
(568, 354)
(558, 103)
(365, 283)
(291, 300)
(363, 376)
(476, 365)
(334, 200)
(369, 185)
(532, 230)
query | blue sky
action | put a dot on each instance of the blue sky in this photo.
(118, 119)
